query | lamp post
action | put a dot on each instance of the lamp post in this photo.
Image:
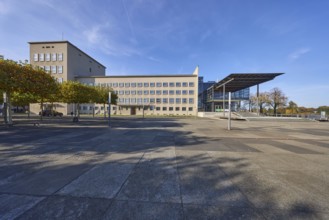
(109, 109)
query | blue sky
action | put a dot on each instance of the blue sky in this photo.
(171, 37)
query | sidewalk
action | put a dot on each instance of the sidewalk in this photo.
(165, 168)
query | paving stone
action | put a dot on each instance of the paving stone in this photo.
(12, 206)
(144, 211)
(220, 212)
(102, 181)
(59, 207)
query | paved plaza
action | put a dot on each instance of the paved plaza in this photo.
(164, 168)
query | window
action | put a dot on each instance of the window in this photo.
(152, 107)
(191, 84)
(178, 100)
(109, 84)
(177, 109)
(146, 100)
(127, 101)
(121, 84)
(139, 101)
(96, 107)
(178, 84)
(47, 56)
(171, 100)
(191, 100)
(60, 57)
(152, 84)
(90, 108)
(152, 92)
(171, 92)
(158, 92)
(146, 92)
(121, 92)
(115, 85)
(184, 92)
(184, 100)
(158, 108)
(140, 92)
(183, 108)
(35, 57)
(140, 84)
(121, 100)
(41, 57)
(178, 92)
(184, 84)
(146, 84)
(133, 92)
(165, 84)
(127, 85)
(152, 100)
(127, 92)
(60, 80)
(59, 69)
(165, 92)
(47, 69)
(54, 57)
(191, 92)
(190, 108)
(165, 100)
(133, 100)
(84, 108)
(164, 108)
(171, 109)
(171, 84)
(53, 69)
(133, 84)
(159, 84)
(158, 100)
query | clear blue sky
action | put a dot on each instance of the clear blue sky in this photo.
(171, 37)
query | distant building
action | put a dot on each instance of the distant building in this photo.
(157, 94)
(2, 57)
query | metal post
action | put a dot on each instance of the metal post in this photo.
(109, 109)
(229, 111)
(4, 109)
(224, 100)
(258, 99)
(213, 99)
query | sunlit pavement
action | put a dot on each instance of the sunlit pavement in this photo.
(164, 168)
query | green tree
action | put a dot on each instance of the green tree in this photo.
(73, 92)
(102, 97)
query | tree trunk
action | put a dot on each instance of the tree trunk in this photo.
(104, 111)
(41, 107)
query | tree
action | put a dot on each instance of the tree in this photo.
(277, 99)
(292, 108)
(102, 97)
(9, 78)
(263, 100)
(23, 99)
(323, 109)
(76, 93)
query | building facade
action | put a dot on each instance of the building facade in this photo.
(144, 94)
(149, 94)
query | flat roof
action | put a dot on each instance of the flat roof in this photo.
(139, 76)
(68, 42)
(238, 81)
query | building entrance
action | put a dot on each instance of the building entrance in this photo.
(133, 110)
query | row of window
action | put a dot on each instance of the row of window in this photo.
(146, 84)
(155, 100)
(152, 108)
(154, 92)
(53, 69)
(48, 57)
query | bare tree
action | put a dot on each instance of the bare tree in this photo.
(263, 100)
(277, 99)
